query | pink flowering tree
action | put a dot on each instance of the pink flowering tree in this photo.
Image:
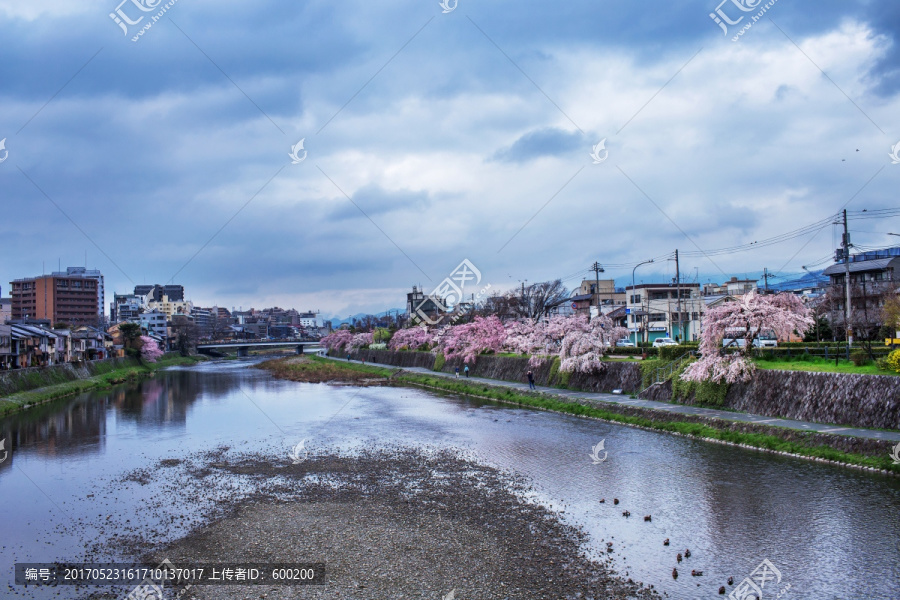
(360, 340)
(584, 343)
(150, 351)
(543, 339)
(745, 319)
(337, 340)
(413, 338)
(483, 334)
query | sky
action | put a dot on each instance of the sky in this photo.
(433, 134)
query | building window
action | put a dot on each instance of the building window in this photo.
(657, 317)
(636, 299)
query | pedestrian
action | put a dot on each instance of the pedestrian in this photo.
(457, 372)
(467, 371)
(348, 357)
(530, 380)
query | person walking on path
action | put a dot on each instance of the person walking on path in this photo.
(530, 380)
(467, 371)
(457, 372)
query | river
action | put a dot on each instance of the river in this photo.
(830, 532)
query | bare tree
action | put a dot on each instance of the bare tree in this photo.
(186, 334)
(538, 297)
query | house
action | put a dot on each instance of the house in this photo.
(36, 345)
(732, 287)
(653, 311)
(9, 347)
(97, 343)
(872, 275)
(603, 293)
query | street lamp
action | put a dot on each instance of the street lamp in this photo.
(632, 289)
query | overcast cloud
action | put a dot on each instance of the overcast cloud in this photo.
(435, 137)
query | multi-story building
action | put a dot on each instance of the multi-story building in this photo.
(5, 310)
(97, 276)
(154, 322)
(603, 293)
(205, 320)
(732, 287)
(155, 292)
(171, 307)
(59, 298)
(653, 311)
(307, 320)
(872, 275)
(126, 307)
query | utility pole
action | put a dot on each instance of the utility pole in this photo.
(678, 293)
(766, 276)
(597, 270)
(846, 246)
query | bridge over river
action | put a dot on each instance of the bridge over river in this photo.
(244, 346)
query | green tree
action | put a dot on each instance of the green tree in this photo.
(130, 332)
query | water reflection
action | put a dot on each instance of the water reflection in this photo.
(831, 531)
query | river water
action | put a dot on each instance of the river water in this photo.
(830, 532)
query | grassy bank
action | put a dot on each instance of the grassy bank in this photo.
(22, 400)
(312, 369)
(824, 366)
(775, 439)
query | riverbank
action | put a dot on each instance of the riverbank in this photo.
(398, 523)
(309, 369)
(125, 370)
(872, 454)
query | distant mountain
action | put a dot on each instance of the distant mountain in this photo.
(337, 322)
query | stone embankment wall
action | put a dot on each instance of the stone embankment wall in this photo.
(838, 398)
(624, 376)
(22, 380)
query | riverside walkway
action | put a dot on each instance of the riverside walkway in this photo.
(726, 415)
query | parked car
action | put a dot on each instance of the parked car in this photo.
(734, 338)
(664, 342)
(624, 343)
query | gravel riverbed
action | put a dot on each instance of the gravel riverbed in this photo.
(398, 523)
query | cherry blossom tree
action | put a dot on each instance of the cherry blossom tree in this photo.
(413, 338)
(483, 334)
(150, 351)
(584, 343)
(744, 319)
(543, 339)
(361, 339)
(337, 340)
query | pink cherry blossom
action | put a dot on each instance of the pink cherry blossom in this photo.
(413, 338)
(337, 340)
(483, 334)
(745, 319)
(149, 349)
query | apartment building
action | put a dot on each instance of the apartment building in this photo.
(71, 299)
(653, 313)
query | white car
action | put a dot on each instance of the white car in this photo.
(624, 343)
(664, 342)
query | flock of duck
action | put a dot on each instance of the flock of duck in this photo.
(678, 557)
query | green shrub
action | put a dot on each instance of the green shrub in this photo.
(672, 352)
(859, 358)
(439, 361)
(892, 362)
